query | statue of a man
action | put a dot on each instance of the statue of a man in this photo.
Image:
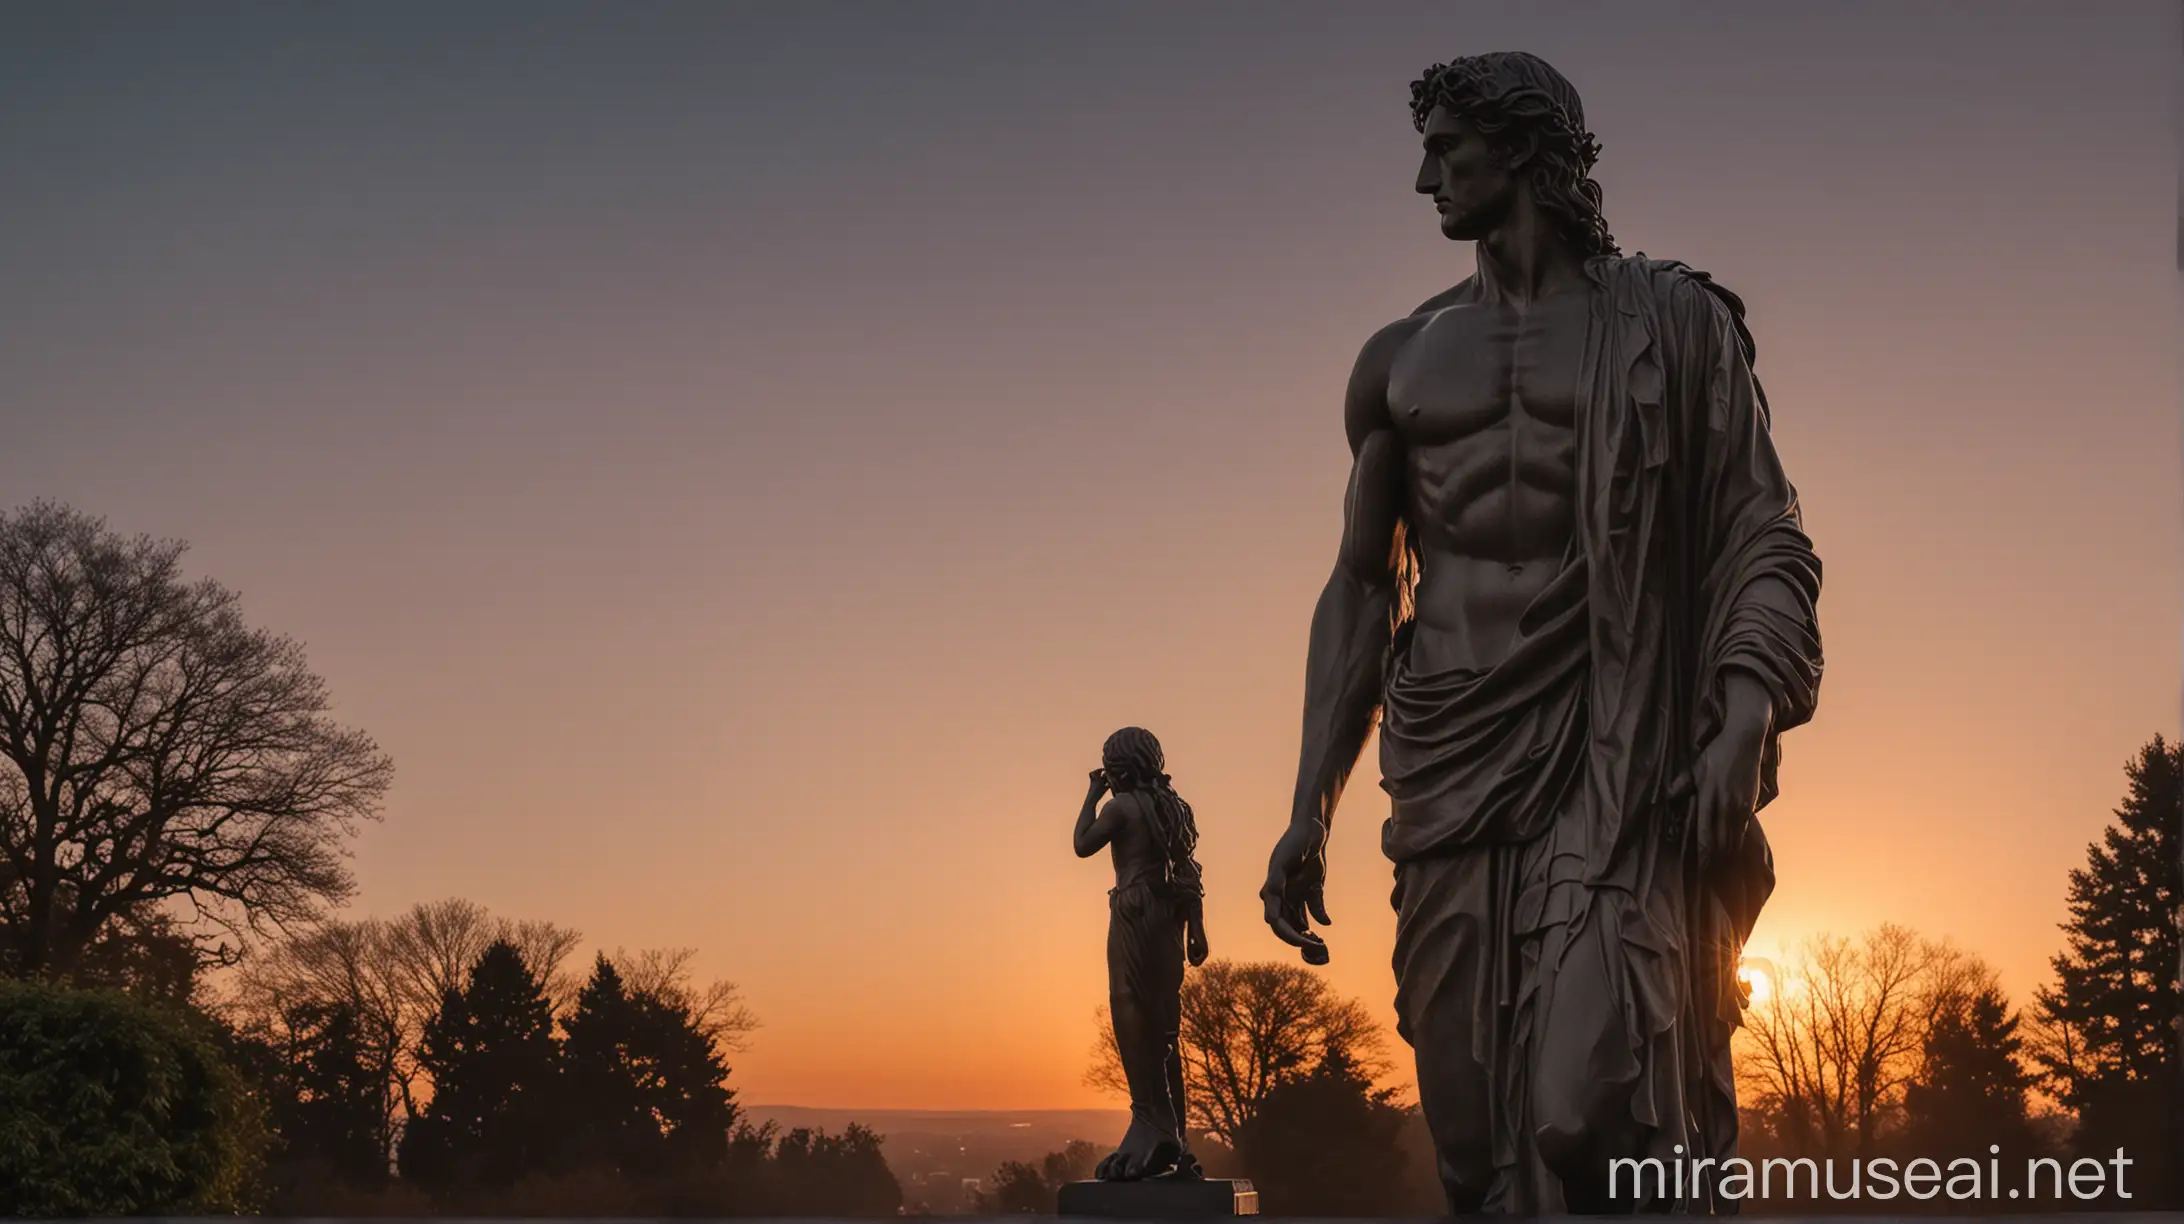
(1155, 922)
(1575, 588)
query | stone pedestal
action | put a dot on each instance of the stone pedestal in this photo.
(1158, 1199)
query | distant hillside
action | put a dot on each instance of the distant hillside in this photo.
(935, 1152)
(1098, 1125)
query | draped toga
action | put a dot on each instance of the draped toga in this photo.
(1553, 934)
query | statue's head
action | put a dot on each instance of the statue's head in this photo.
(1132, 757)
(1504, 131)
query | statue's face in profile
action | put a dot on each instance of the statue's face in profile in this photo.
(1469, 181)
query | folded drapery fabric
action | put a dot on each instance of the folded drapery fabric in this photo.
(1536, 853)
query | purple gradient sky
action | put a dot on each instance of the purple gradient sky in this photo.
(741, 461)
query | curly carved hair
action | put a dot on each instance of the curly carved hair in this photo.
(1511, 93)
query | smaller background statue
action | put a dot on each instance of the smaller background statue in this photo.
(1156, 921)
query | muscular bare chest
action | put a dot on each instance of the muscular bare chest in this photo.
(1483, 368)
(1486, 399)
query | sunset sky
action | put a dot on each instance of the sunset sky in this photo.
(741, 461)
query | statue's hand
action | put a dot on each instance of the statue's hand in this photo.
(1725, 778)
(1296, 884)
(1099, 781)
(1727, 784)
(1195, 947)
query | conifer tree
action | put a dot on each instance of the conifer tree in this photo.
(2110, 1038)
(330, 1111)
(493, 1060)
(684, 1084)
(603, 1115)
(644, 1091)
(1327, 1143)
(1970, 1092)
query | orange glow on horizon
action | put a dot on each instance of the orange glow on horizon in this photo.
(742, 480)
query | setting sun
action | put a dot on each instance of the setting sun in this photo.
(658, 559)
(1757, 974)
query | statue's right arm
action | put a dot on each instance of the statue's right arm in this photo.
(1349, 639)
(1353, 620)
(1096, 826)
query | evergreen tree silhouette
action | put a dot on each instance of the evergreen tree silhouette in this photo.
(2115, 999)
(643, 1089)
(604, 1120)
(1970, 1094)
(684, 1084)
(328, 1107)
(1327, 1144)
(491, 1054)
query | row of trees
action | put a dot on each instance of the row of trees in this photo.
(160, 758)
(383, 981)
(1894, 1044)
(1321, 1142)
(1280, 1076)
(617, 1103)
(1890, 1044)
(325, 1080)
(1246, 1030)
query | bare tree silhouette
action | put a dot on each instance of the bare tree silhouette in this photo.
(436, 943)
(1828, 1053)
(716, 1007)
(393, 973)
(158, 751)
(1247, 1028)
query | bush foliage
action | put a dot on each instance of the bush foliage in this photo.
(111, 1106)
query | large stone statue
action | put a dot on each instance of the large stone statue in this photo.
(1575, 589)
(1155, 922)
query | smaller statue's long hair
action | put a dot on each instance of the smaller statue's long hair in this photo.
(1134, 765)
